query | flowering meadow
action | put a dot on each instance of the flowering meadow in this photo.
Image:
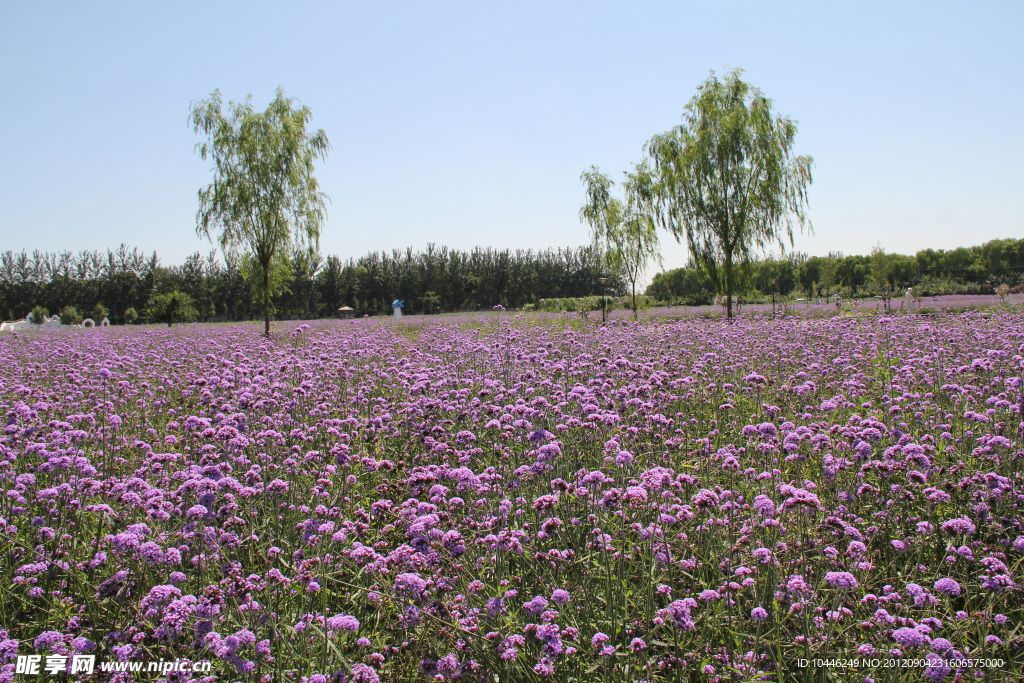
(520, 498)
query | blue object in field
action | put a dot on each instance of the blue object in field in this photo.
(397, 303)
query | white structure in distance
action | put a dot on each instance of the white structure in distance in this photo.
(911, 299)
(26, 324)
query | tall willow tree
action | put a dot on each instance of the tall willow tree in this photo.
(623, 231)
(637, 242)
(264, 199)
(602, 212)
(726, 179)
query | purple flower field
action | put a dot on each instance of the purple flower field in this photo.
(520, 498)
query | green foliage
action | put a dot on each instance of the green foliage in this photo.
(120, 278)
(463, 280)
(474, 280)
(131, 315)
(173, 307)
(69, 315)
(601, 212)
(299, 295)
(264, 198)
(266, 284)
(690, 286)
(580, 304)
(330, 286)
(39, 315)
(827, 274)
(430, 302)
(99, 312)
(624, 232)
(726, 179)
(584, 305)
(931, 285)
(881, 272)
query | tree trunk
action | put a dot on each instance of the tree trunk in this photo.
(266, 300)
(633, 282)
(728, 285)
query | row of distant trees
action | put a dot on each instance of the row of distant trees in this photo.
(977, 269)
(126, 285)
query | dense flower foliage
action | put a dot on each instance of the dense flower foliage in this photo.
(517, 498)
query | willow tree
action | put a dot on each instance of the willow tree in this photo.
(880, 275)
(624, 231)
(602, 212)
(828, 269)
(726, 178)
(264, 198)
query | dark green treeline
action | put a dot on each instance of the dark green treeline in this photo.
(431, 281)
(439, 279)
(967, 270)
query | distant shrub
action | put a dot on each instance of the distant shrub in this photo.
(69, 315)
(99, 312)
(577, 304)
(131, 315)
(39, 315)
(175, 307)
(931, 285)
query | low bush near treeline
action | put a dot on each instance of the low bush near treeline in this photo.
(517, 499)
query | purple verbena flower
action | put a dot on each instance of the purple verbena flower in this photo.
(537, 605)
(959, 526)
(841, 580)
(908, 637)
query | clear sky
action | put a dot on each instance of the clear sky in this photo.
(469, 123)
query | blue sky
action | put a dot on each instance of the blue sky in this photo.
(469, 123)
